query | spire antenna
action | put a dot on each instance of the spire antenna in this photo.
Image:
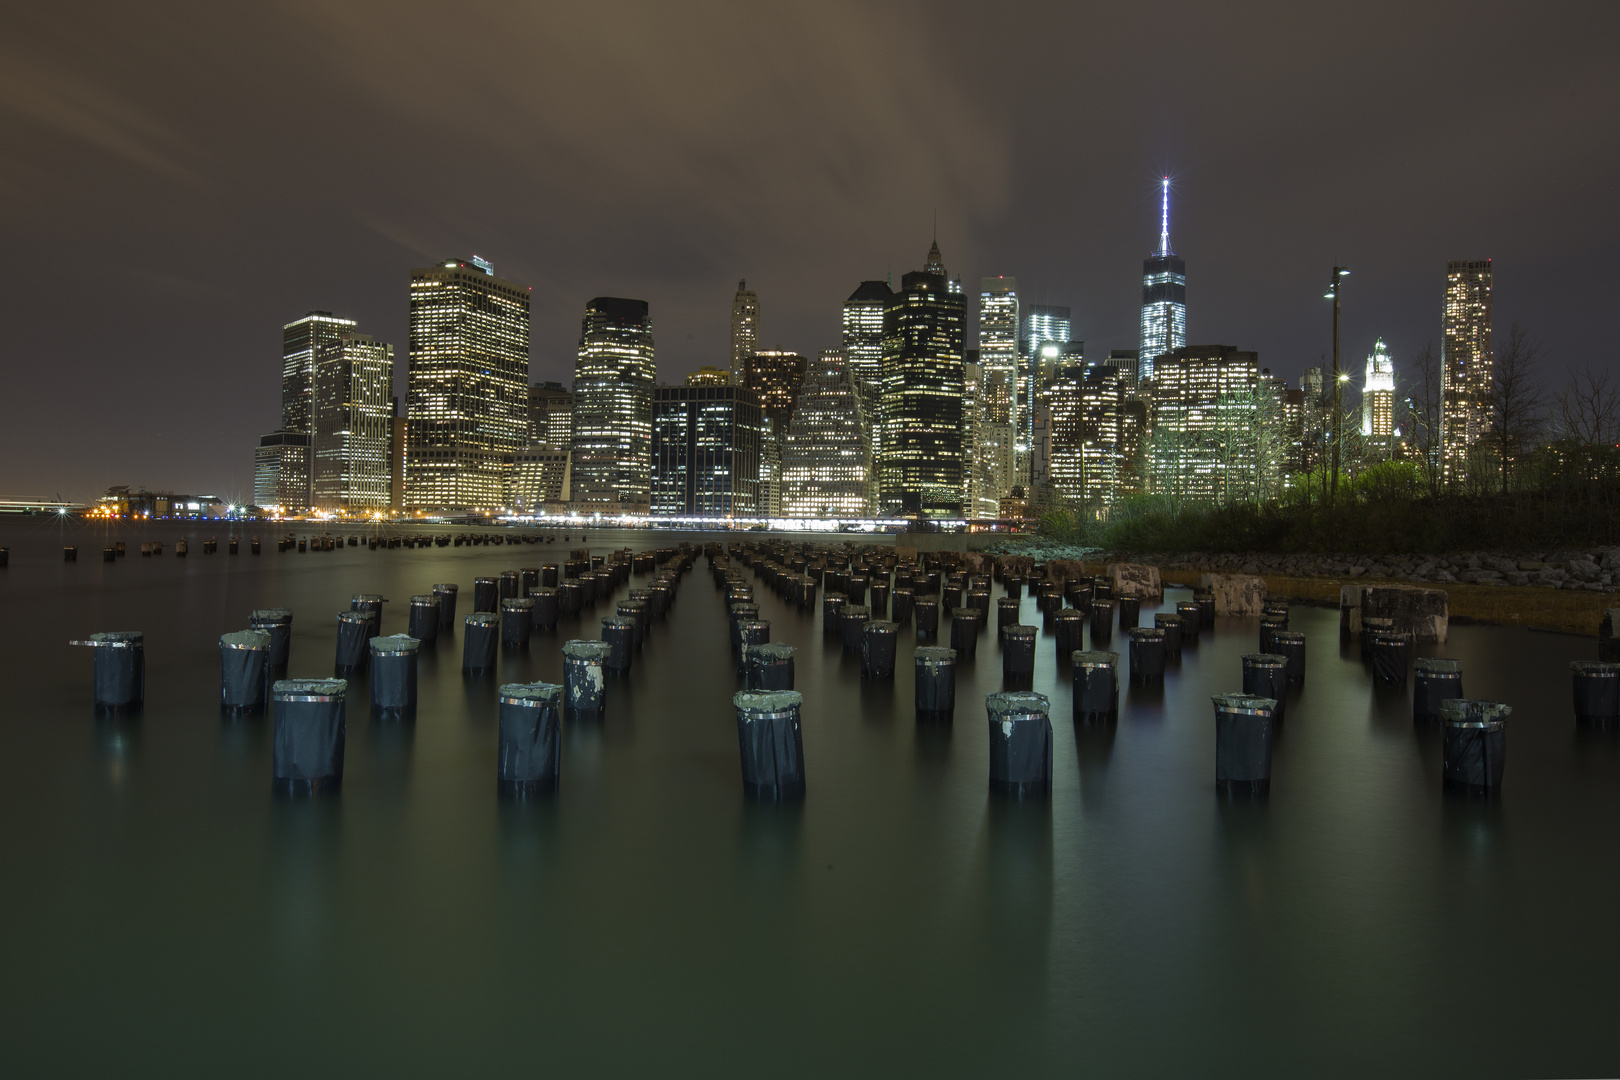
(1164, 216)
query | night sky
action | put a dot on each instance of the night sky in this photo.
(178, 180)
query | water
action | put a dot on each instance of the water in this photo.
(163, 910)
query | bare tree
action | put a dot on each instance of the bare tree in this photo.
(1589, 408)
(1517, 398)
(1424, 416)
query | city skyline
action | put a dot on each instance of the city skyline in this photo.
(156, 162)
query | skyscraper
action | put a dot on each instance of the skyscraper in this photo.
(863, 330)
(354, 422)
(467, 387)
(551, 416)
(705, 451)
(1378, 403)
(1164, 296)
(999, 413)
(827, 455)
(744, 328)
(301, 342)
(774, 376)
(1466, 363)
(1087, 410)
(1043, 325)
(613, 383)
(1206, 414)
(281, 464)
(920, 407)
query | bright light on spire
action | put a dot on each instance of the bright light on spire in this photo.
(1164, 217)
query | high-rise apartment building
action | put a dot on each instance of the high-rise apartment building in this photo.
(551, 415)
(827, 455)
(1206, 417)
(467, 385)
(920, 404)
(744, 328)
(354, 426)
(1467, 363)
(1378, 404)
(705, 451)
(1164, 296)
(613, 384)
(301, 343)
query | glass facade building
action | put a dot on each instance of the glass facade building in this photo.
(920, 401)
(302, 341)
(613, 390)
(863, 330)
(467, 386)
(1205, 416)
(1164, 297)
(354, 424)
(551, 415)
(705, 451)
(827, 455)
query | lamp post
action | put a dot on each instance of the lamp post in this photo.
(1339, 272)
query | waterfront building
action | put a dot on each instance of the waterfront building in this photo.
(827, 454)
(709, 376)
(551, 415)
(920, 402)
(1206, 420)
(1466, 364)
(281, 471)
(301, 343)
(541, 478)
(1378, 404)
(613, 385)
(744, 328)
(1164, 296)
(998, 396)
(467, 385)
(705, 451)
(354, 422)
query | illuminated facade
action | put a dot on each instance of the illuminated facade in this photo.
(709, 376)
(1086, 410)
(774, 376)
(920, 399)
(1378, 404)
(613, 385)
(744, 328)
(1205, 407)
(467, 386)
(705, 451)
(1466, 364)
(827, 455)
(1164, 296)
(551, 415)
(1043, 325)
(354, 423)
(281, 471)
(540, 476)
(301, 342)
(863, 330)
(993, 447)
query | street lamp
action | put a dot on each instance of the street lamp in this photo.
(1339, 272)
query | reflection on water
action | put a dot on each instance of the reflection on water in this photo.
(901, 919)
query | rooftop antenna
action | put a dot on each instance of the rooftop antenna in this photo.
(1164, 216)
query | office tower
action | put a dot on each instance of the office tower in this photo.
(827, 455)
(920, 403)
(1126, 360)
(397, 428)
(1378, 404)
(1207, 420)
(613, 384)
(301, 342)
(709, 376)
(467, 385)
(1042, 325)
(744, 328)
(540, 476)
(771, 438)
(354, 414)
(1164, 296)
(705, 451)
(998, 397)
(1466, 363)
(281, 471)
(551, 415)
(774, 375)
(1086, 406)
(863, 330)
(1316, 419)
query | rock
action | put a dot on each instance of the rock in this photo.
(1531, 565)
(1423, 613)
(1585, 569)
(1517, 577)
(1135, 579)
(1442, 577)
(1356, 571)
(1235, 594)
(1480, 577)
(1492, 562)
(1061, 570)
(1549, 577)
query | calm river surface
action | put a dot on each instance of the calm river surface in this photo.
(161, 910)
